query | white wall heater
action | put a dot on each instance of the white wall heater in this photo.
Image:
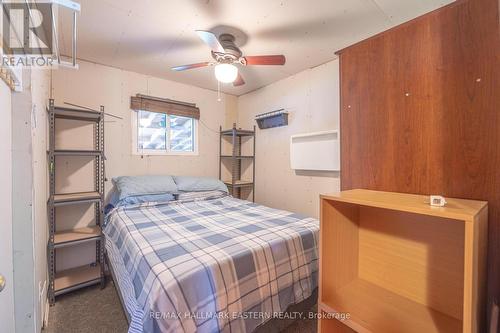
(315, 151)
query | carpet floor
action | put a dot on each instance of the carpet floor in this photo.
(94, 310)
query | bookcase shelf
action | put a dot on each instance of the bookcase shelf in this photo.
(237, 132)
(76, 114)
(236, 184)
(76, 152)
(80, 235)
(79, 197)
(396, 264)
(75, 278)
(62, 280)
(237, 157)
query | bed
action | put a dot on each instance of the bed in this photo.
(209, 264)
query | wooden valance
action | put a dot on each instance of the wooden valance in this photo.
(163, 105)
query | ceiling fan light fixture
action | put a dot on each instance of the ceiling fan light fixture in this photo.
(226, 73)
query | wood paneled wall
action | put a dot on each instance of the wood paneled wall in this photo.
(420, 111)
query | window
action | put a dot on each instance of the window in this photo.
(160, 133)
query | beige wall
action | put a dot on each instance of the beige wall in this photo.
(6, 264)
(93, 85)
(312, 99)
(40, 91)
(231, 115)
(22, 209)
(29, 199)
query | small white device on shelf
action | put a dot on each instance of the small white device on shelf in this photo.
(438, 201)
(318, 151)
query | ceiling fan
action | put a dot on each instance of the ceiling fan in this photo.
(226, 54)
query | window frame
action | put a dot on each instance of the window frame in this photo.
(167, 151)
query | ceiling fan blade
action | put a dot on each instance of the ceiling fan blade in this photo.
(191, 66)
(265, 60)
(239, 81)
(211, 40)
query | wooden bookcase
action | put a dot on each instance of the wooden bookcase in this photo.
(396, 264)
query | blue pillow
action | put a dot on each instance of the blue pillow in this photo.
(195, 184)
(112, 201)
(128, 186)
(139, 199)
(113, 197)
(200, 195)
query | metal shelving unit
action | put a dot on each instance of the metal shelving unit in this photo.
(64, 281)
(235, 184)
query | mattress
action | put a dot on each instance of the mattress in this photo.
(210, 265)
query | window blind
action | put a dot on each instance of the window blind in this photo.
(163, 105)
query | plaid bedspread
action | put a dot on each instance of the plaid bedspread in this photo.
(212, 265)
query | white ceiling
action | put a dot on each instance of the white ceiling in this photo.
(150, 36)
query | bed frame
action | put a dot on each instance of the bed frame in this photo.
(109, 268)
